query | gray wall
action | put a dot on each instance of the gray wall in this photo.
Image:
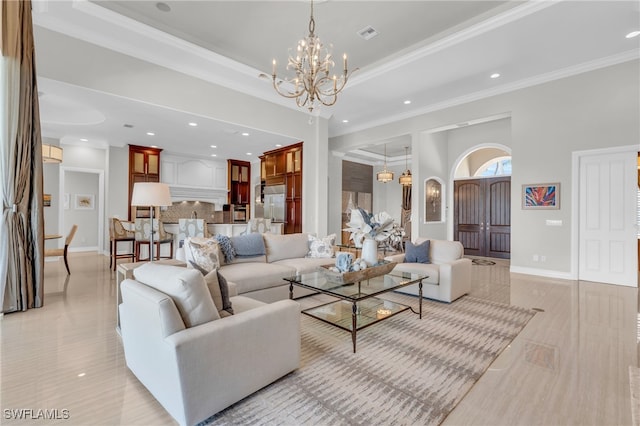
(548, 122)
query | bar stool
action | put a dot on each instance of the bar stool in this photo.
(118, 234)
(143, 236)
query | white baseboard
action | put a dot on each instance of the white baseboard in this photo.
(547, 273)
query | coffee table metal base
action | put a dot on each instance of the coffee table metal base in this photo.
(355, 315)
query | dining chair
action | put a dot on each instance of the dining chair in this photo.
(63, 251)
(142, 229)
(119, 234)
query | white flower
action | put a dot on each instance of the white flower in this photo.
(379, 227)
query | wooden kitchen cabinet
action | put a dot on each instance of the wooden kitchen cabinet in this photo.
(275, 163)
(144, 166)
(283, 166)
(239, 179)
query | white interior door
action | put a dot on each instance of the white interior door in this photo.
(607, 224)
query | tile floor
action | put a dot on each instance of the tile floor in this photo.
(569, 366)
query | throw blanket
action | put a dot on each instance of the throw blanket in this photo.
(225, 245)
(248, 245)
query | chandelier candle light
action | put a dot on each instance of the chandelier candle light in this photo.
(312, 62)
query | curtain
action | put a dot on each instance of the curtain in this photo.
(405, 220)
(22, 221)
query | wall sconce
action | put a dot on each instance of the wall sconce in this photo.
(433, 200)
(435, 197)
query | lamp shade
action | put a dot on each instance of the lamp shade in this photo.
(150, 194)
(384, 176)
(51, 153)
(405, 178)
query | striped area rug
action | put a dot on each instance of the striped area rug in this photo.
(406, 371)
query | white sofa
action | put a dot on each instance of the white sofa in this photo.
(449, 272)
(196, 371)
(262, 277)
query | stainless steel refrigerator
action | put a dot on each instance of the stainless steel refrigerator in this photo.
(274, 205)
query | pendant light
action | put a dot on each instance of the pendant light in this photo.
(405, 178)
(384, 175)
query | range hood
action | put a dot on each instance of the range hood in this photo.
(186, 193)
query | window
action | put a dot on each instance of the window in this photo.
(500, 166)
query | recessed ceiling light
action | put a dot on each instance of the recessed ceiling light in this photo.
(248, 153)
(192, 124)
(151, 134)
(345, 121)
(82, 374)
(84, 139)
(154, 146)
(213, 146)
(245, 134)
(163, 7)
(633, 34)
(495, 75)
(214, 155)
(278, 145)
(407, 102)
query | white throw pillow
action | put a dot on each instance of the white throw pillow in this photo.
(289, 246)
(202, 253)
(186, 287)
(321, 247)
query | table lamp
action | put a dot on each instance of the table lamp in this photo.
(151, 194)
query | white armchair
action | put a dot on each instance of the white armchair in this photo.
(196, 372)
(449, 271)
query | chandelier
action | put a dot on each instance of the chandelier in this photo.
(312, 62)
(405, 178)
(384, 175)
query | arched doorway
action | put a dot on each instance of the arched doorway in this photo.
(482, 202)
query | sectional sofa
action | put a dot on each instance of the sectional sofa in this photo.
(261, 276)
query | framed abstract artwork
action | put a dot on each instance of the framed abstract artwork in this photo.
(541, 196)
(84, 202)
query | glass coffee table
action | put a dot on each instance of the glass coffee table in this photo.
(359, 305)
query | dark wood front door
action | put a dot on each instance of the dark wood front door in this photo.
(482, 216)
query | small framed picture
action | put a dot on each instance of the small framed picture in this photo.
(46, 200)
(541, 196)
(84, 202)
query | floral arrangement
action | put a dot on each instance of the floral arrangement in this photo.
(380, 227)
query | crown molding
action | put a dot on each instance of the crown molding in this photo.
(458, 37)
(627, 56)
(100, 26)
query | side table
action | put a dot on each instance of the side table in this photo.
(125, 271)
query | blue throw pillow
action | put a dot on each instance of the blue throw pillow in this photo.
(417, 253)
(248, 245)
